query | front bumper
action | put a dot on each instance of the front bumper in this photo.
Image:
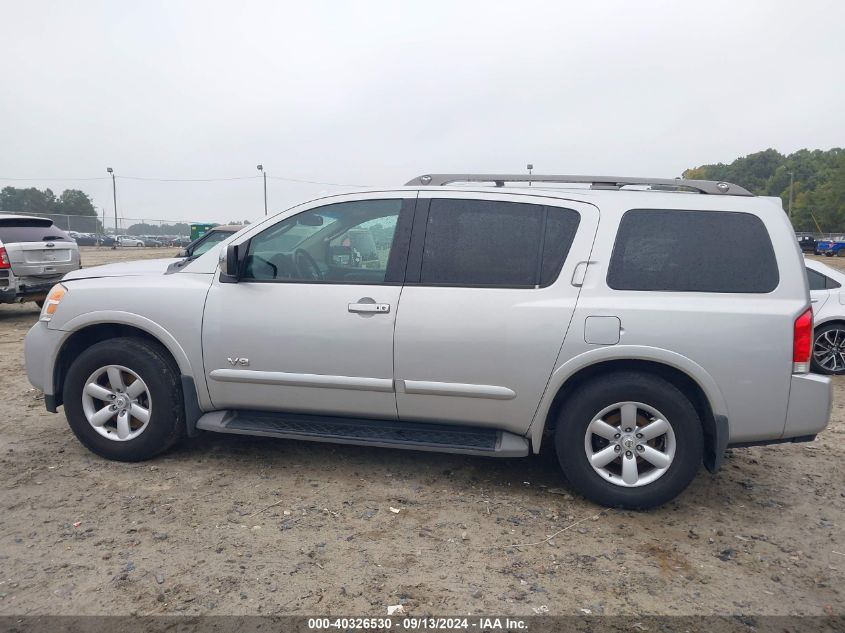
(40, 349)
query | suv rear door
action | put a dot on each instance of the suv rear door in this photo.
(36, 248)
(491, 286)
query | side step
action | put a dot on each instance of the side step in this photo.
(385, 433)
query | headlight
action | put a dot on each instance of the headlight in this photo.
(52, 301)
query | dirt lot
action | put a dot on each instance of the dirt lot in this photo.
(233, 525)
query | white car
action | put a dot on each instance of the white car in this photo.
(125, 240)
(828, 297)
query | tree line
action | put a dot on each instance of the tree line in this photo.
(818, 189)
(32, 200)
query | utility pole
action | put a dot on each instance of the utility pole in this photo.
(114, 194)
(530, 168)
(791, 182)
(263, 173)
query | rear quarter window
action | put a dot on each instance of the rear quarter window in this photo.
(692, 251)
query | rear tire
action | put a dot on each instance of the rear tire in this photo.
(605, 408)
(162, 399)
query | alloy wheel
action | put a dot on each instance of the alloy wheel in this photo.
(630, 444)
(829, 350)
(116, 403)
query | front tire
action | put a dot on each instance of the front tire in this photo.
(629, 440)
(829, 349)
(123, 399)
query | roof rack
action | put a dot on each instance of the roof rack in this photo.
(596, 182)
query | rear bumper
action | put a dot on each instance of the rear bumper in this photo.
(22, 290)
(810, 399)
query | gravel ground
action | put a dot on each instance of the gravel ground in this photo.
(235, 525)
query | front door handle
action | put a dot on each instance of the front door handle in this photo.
(369, 308)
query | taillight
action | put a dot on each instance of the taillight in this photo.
(4, 258)
(802, 342)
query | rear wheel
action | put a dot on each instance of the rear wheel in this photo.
(829, 349)
(123, 399)
(629, 440)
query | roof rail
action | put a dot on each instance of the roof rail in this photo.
(596, 182)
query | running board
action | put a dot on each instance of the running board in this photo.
(439, 438)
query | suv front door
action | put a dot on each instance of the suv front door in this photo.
(490, 291)
(309, 325)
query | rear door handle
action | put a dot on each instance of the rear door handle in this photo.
(580, 273)
(369, 308)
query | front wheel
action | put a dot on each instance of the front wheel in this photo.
(629, 440)
(123, 399)
(829, 349)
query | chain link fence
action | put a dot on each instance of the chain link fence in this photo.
(125, 226)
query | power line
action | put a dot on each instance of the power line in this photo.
(315, 182)
(63, 178)
(222, 179)
(187, 179)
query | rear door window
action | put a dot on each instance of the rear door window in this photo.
(692, 251)
(498, 244)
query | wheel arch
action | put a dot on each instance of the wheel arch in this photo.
(102, 327)
(689, 377)
(828, 321)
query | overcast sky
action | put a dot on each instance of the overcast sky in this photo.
(374, 93)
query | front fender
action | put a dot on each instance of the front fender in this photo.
(142, 323)
(623, 352)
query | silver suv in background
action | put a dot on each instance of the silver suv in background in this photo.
(34, 255)
(639, 326)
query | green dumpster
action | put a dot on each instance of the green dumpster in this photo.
(198, 230)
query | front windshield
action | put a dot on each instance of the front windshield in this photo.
(215, 237)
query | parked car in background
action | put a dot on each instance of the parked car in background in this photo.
(807, 242)
(34, 255)
(104, 240)
(127, 240)
(497, 319)
(210, 238)
(149, 240)
(831, 246)
(84, 239)
(827, 292)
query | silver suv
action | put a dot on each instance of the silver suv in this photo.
(641, 326)
(34, 255)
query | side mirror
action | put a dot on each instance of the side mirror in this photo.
(229, 264)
